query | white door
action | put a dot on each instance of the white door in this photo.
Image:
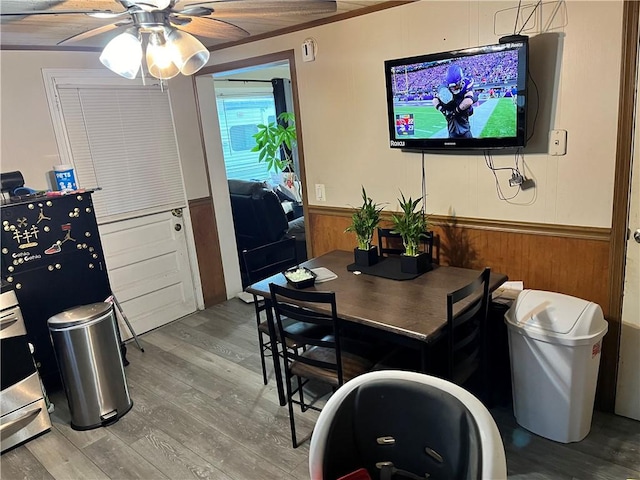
(120, 136)
(628, 384)
(149, 270)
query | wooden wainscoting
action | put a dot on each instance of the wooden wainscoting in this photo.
(205, 233)
(566, 259)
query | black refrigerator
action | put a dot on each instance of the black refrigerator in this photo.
(52, 255)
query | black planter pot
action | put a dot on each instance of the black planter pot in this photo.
(419, 264)
(366, 258)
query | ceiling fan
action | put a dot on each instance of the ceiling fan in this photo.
(161, 25)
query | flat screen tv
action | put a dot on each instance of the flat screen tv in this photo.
(473, 98)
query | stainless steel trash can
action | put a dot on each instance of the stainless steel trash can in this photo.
(85, 341)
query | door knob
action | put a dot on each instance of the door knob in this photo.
(177, 227)
(636, 235)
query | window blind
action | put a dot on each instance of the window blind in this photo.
(239, 117)
(123, 141)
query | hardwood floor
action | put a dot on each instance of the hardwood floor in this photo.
(201, 411)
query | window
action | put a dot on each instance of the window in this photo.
(239, 117)
(241, 137)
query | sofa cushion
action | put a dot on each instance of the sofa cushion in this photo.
(258, 217)
(244, 187)
(296, 229)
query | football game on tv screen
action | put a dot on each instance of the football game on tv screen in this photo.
(472, 98)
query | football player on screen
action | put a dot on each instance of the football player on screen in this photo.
(455, 101)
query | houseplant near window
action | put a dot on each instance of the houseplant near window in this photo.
(364, 222)
(271, 140)
(411, 225)
(275, 143)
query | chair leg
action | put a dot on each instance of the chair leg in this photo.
(292, 423)
(262, 359)
(301, 394)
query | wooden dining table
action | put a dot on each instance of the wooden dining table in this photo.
(411, 311)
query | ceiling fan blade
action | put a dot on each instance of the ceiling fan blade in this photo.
(94, 31)
(194, 11)
(60, 12)
(214, 28)
(179, 21)
(268, 8)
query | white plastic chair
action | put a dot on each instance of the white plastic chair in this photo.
(415, 424)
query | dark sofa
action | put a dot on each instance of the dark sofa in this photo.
(259, 219)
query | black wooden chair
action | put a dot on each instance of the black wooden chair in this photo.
(330, 360)
(260, 263)
(391, 243)
(467, 310)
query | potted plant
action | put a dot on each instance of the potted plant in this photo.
(411, 225)
(275, 141)
(364, 222)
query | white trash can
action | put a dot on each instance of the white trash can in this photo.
(554, 343)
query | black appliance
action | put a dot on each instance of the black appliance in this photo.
(53, 258)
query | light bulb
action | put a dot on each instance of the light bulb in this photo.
(159, 60)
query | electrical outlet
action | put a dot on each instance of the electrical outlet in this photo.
(320, 196)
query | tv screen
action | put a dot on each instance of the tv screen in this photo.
(465, 99)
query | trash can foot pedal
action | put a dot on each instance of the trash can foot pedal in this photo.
(109, 418)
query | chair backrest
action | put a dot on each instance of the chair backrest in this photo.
(467, 310)
(287, 303)
(269, 259)
(423, 425)
(391, 243)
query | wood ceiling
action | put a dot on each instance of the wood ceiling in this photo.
(260, 18)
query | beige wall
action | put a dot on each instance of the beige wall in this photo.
(343, 111)
(27, 140)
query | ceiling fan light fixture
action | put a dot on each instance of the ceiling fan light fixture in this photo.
(122, 55)
(187, 52)
(150, 5)
(159, 58)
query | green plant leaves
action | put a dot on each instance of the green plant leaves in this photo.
(364, 221)
(411, 225)
(271, 137)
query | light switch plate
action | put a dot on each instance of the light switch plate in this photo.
(558, 142)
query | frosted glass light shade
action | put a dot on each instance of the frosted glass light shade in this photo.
(159, 4)
(187, 52)
(122, 55)
(159, 61)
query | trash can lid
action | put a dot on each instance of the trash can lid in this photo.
(79, 315)
(553, 316)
